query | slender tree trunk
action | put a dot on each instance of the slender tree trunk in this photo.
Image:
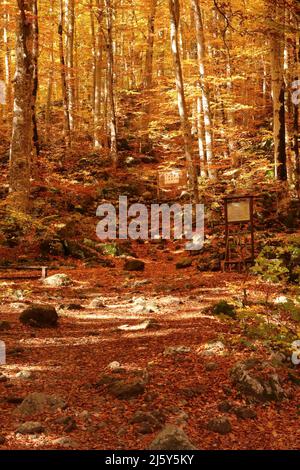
(148, 76)
(278, 95)
(98, 57)
(110, 84)
(201, 53)
(70, 79)
(182, 107)
(35, 76)
(21, 142)
(67, 133)
(7, 61)
(51, 74)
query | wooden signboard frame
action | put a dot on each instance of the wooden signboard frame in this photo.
(239, 224)
(171, 179)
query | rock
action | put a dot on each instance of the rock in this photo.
(30, 427)
(142, 305)
(146, 325)
(281, 300)
(194, 390)
(184, 263)
(24, 374)
(4, 325)
(58, 280)
(211, 366)
(65, 442)
(125, 390)
(38, 403)
(134, 265)
(244, 412)
(148, 423)
(257, 380)
(214, 349)
(114, 366)
(225, 406)
(97, 303)
(171, 438)
(40, 316)
(220, 425)
(173, 350)
(224, 308)
(125, 384)
(68, 422)
(71, 307)
(2, 440)
(277, 358)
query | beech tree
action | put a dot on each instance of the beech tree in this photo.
(182, 107)
(21, 141)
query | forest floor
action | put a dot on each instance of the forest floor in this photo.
(183, 357)
(185, 386)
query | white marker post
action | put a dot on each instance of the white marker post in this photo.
(2, 92)
(2, 353)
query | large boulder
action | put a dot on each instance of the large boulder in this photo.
(171, 438)
(36, 403)
(258, 380)
(40, 316)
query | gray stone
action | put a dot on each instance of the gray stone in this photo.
(214, 349)
(173, 350)
(58, 280)
(24, 374)
(220, 425)
(257, 380)
(30, 427)
(39, 403)
(66, 442)
(97, 303)
(245, 412)
(171, 438)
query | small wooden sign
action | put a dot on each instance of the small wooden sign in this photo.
(169, 178)
(239, 211)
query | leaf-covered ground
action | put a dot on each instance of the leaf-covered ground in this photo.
(186, 388)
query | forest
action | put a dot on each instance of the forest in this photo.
(149, 225)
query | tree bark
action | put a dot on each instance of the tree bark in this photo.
(201, 54)
(110, 84)
(67, 133)
(278, 95)
(21, 142)
(182, 107)
(35, 76)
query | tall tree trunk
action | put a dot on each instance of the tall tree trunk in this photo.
(35, 76)
(182, 107)
(21, 142)
(70, 30)
(201, 53)
(110, 84)
(67, 133)
(7, 60)
(97, 78)
(278, 95)
(51, 74)
(148, 76)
